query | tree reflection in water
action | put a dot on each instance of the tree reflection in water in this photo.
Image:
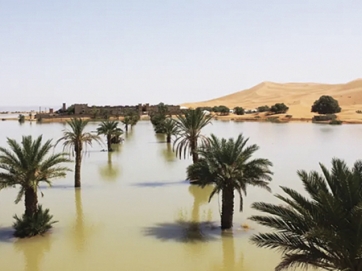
(34, 250)
(79, 234)
(168, 153)
(109, 171)
(82, 231)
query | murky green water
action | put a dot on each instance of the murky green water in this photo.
(136, 212)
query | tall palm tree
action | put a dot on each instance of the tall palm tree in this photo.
(321, 229)
(189, 128)
(27, 164)
(228, 166)
(75, 140)
(110, 130)
(170, 128)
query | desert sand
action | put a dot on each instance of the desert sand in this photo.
(299, 97)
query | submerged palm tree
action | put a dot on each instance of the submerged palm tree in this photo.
(75, 140)
(189, 128)
(131, 119)
(111, 130)
(227, 164)
(322, 229)
(27, 164)
(170, 128)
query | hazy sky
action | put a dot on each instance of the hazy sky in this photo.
(129, 52)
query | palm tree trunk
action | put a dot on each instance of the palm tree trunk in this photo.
(227, 209)
(78, 161)
(126, 127)
(109, 142)
(31, 201)
(195, 156)
(168, 138)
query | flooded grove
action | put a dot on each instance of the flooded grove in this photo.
(135, 210)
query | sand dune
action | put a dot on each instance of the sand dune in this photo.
(299, 97)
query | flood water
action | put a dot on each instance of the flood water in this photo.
(135, 210)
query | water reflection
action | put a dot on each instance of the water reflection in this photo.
(33, 250)
(160, 138)
(229, 259)
(128, 135)
(109, 171)
(79, 231)
(201, 196)
(168, 154)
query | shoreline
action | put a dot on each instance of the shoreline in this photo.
(231, 117)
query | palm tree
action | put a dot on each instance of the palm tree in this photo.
(27, 164)
(189, 132)
(227, 165)
(322, 229)
(130, 118)
(75, 139)
(170, 128)
(110, 130)
(127, 120)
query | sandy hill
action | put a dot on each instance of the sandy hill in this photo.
(298, 96)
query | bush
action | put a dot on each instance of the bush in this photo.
(21, 118)
(289, 116)
(359, 111)
(222, 109)
(328, 117)
(28, 226)
(239, 110)
(326, 105)
(279, 108)
(263, 108)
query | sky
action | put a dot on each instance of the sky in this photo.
(116, 52)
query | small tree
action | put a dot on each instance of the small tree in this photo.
(239, 110)
(279, 108)
(159, 117)
(221, 109)
(224, 110)
(326, 105)
(263, 108)
(21, 118)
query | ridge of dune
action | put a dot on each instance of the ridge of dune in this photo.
(299, 97)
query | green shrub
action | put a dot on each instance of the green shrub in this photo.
(279, 108)
(28, 226)
(239, 110)
(221, 109)
(326, 105)
(263, 108)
